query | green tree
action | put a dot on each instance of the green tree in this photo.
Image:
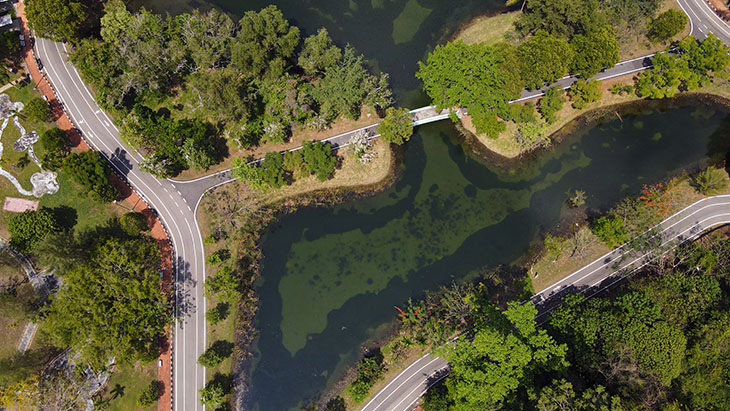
(264, 44)
(149, 395)
(319, 159)
(710, 181)
(216, 353)
(551, 103)
(523, 113)
(111, 306)
(217, 313)
(212, 395)
(532, 135)
(610, 230)
(225, 284)
(397, 125)
(667, 25)
(503, 356)
(583, 92)
(206, 37)
(56, 19)
(477, 77)
(294, 163)
(140, 49)
(318, 53)
(91, 171)
(38, 110)
(55, 142)
(133, 223)
(594, 51)
(348, 85)
(544, 59)
(30, 227)
(369, 370)
(664, 78)
(224, 94)
(704, 380)
(561, 17)
(199, 154)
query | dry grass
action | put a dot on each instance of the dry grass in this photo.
(341, 125)
(351, 173)
(547, 270)
(638, 45)
(488, 29)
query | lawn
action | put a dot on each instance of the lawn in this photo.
(488, 29)
(86, 212)
(125, 386)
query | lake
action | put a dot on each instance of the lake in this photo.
(331, 276)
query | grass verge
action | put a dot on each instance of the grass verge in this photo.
(125, 386)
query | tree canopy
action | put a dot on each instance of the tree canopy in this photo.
(544, 59)
(112, 305)
(594, 51)
(397, 126)
(56, 19)
(473, 76)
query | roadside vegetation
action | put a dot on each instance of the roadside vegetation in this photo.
(657, 341)
(187, 91)
(234, 218)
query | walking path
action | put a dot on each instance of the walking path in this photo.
(175, 202)
(43, 284)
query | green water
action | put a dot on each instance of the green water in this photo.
(331, 276)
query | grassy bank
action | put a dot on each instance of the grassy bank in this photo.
(549, 268)
(235, 216)
(493, 29)
(126, 385)
(299, 135)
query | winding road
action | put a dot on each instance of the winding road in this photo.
(176, 203)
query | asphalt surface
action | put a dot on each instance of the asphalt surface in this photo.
(176, 213)
(404, 390)
(176, 203)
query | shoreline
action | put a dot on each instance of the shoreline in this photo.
(245, 316)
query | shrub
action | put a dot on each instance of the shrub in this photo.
(37, 110)
(225, 283)
(319, 159)
(28, 228)
(209, 240)
(397, 126)
(133, 223)
(523, 113)
(219, 257)
(709, 181)
(270, 173)
(611, 230)
(369, 370)
(90, 170)
(149, 395)
(667, 25)
(294, 163)
(584, 92)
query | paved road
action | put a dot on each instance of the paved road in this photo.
(405, 389)
(175, 212)
(176, 201)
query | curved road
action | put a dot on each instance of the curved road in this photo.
(176, 203)
(175, 212)
(402, 392)
(406, 388)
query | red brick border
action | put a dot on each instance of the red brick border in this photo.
(128, 194)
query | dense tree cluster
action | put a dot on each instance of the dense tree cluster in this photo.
(485, 78)
(277, 170)
(59, 20)
(28, 228)
(658, 342)
(111, 305)
(92, 171)
(178, 83)
(55, 143)
(688, 67)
